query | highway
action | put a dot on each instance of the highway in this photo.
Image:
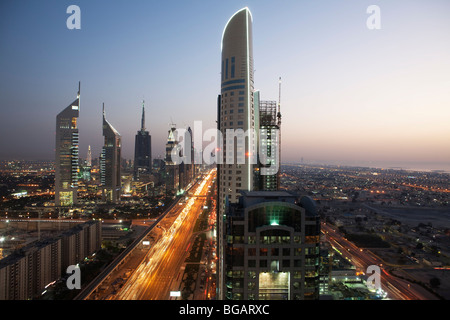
(396, 288)
(152, 280)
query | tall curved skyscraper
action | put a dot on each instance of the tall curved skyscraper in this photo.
(236, 119)
(66, 154)
(110, 162)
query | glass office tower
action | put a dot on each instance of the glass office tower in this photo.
(66, 154)
(142, 149)
(110, 162)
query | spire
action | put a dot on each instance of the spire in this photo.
(79, 88)
(279, 95)
(143, 117)
(89, 157)
(103, 111)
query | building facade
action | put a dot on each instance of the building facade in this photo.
(172, 167)
(186, 166)
(142, 149)
(272, 247)
(66, 155)
(27, 272)
(110, 159)
(236, 119)
(268, 177)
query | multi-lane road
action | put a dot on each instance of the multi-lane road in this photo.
(396, 288)
(155, 276)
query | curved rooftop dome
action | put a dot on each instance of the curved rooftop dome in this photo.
(309, 205)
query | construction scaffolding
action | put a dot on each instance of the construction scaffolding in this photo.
(268, 113)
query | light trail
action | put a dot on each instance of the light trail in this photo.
(146, 273)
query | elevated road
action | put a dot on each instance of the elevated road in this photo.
(173, 209)
(91, 287)
(153, 279)
(396, 288)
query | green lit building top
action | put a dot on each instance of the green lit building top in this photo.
(271, 247)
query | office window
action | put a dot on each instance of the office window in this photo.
(232, 67)
(226, 69)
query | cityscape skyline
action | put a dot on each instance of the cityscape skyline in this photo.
(379, 95)
(331, 223)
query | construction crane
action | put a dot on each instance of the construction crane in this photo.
(279, 133)
(279, 103)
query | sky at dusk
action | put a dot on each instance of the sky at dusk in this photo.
(349, 94)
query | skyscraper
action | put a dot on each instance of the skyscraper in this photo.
(86, 166)
(268, 240)
(268, 177)
(110, 162)
(186, 167)
(236, 118)
(89, 157)
(172, 166)
(189, 149)
(142, 149)
(66, 154)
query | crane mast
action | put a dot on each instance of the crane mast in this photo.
(279, 133)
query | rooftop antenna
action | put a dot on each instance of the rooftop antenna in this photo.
(78, 94)
(279, 102)
(143, 117)
(279, 133)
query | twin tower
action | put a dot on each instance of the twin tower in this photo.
(67, 156)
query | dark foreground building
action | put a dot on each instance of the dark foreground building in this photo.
(271, 247)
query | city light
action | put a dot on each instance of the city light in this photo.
(355, 206)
